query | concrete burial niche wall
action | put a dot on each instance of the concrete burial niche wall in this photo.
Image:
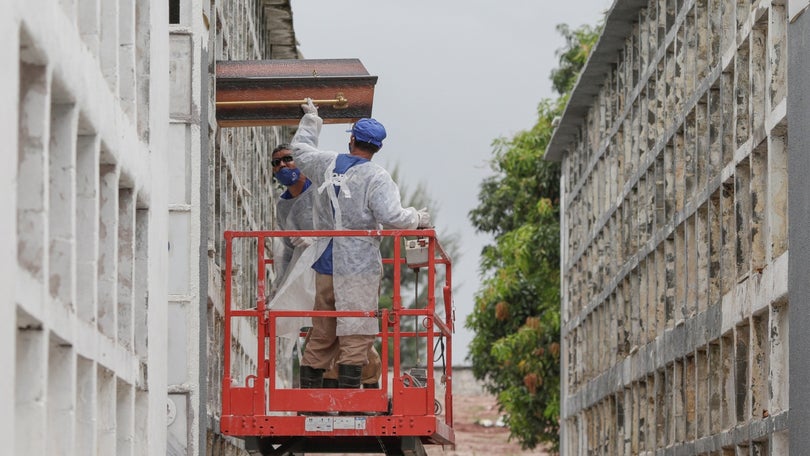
(270, 92)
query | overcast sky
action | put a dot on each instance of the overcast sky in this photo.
(453, 76)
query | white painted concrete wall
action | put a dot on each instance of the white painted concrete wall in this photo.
(109, 111)
(676, 308)
(83, 227)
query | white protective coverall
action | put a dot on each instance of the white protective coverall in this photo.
(368, 199)
(293, 287)
(291, 214)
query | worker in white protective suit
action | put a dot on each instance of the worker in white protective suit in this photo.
(292, 289)
(353, 194)
(294, 212)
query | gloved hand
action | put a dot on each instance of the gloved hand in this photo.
(424, 218)
(302, 241)
(309, 107)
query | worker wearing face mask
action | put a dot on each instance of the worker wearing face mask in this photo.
(293, 209)
(353, 194)
(293, 287)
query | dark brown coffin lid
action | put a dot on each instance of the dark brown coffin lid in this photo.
(276, 81)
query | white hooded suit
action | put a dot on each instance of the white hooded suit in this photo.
(363, 198)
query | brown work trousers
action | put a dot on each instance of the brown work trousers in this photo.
(323, 344)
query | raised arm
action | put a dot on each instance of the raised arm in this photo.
(304, 145)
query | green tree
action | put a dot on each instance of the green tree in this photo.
(413, 284)
(516, 319)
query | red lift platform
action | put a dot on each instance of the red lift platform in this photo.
(412, 407)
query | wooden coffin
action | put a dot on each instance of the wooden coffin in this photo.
(270, 92)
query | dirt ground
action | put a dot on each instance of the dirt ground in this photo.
(473, 439)
(472, 406)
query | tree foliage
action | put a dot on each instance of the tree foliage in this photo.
(516, 319)
(413, 285)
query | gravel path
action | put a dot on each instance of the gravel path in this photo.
(474, 439)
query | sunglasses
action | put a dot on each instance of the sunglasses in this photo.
(285, 159)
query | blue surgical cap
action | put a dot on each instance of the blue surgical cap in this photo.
(370, 131)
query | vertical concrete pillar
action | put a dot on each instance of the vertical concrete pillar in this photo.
(9, 96)
(798, 111)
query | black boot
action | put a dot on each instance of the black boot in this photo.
(330, 383)
(311, 377)
(349, 376)
(372, 385)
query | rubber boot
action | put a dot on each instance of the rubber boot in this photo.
(330, 383)
(349, 376)
(311, 377)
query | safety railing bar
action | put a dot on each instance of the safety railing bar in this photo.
(261, 349)
(325, 313)
(226, 358)
(444, 331)
(246, 313)
(332, 233)
(383, 335)
(424, 311)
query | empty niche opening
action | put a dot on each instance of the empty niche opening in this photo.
(761, 448)
(62, 192)
(727, 380)
(86, 411)
(87, 154)
(174, 11)
(107, 247)
(777, 43)
(60, 405)
(742, 94)
(690, 397)
(743, 212)
(779, 358)
(759, 207)
(702, 392)
(759, 72)
(126, 262)
(741, 371)
(29, 386)
(760, 353)
(715, 388)
(125, 417)
(778, 190)
(33, 115)
(106, 411)
(141, 282)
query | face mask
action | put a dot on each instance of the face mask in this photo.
(288, 176)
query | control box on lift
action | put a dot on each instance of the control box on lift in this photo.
(416, 252)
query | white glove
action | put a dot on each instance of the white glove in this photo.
(424, 218)
(309, 107)
(302, 241)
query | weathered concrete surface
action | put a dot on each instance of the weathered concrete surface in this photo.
(674, 244)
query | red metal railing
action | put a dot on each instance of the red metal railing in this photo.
(400, 407)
